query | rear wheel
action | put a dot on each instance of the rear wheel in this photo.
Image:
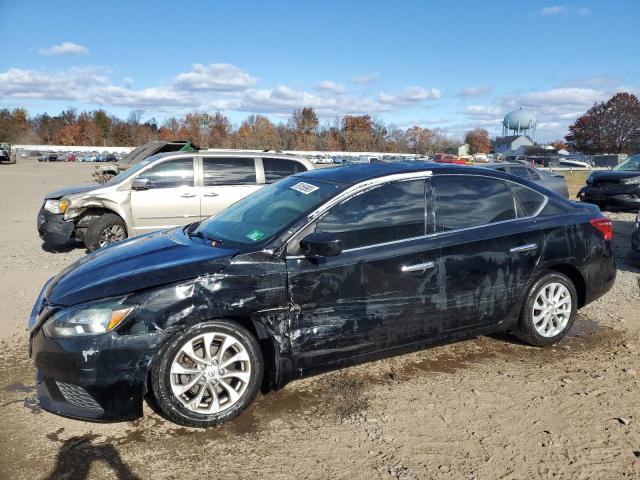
(104, 230)
(549, 310)
(208, 374)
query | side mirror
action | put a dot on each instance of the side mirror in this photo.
(140, 184)
(323, 244)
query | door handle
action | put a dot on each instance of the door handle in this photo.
(418, 267)
(210, 194)
(188, 195)
(524, 248)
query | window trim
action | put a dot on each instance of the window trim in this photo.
(355, 189)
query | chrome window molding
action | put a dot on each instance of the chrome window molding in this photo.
(363, 186)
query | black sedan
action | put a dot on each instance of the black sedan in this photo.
(619, 187)
(318, 271)
(553, 181)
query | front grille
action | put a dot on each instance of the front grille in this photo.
(77, 396)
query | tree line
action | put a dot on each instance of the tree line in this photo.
(301, 131)
(607, 127)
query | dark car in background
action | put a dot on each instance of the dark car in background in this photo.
(619, 187)
(318, 271)
(553, 181)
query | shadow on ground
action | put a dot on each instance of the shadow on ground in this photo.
(77, 454)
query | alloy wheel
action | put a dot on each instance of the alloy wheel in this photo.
(552, 309)
(210, 372)
(111, 234)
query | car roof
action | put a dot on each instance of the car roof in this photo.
(505, 164)
(358, 172)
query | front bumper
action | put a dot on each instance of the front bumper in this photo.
(54, 229)
(623, 196)
(100, 378)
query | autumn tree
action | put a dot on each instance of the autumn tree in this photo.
(608, 127)
(304, 125)
(357, 133)
(257, 132)
(559, 145)
(219, 131)
(418, 140)
(478, 141)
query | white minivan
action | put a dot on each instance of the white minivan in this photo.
(163, 191)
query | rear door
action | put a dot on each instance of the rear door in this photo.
(489, 249)
(171, 199)
(225, 180)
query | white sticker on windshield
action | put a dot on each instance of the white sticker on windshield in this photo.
(304, 187)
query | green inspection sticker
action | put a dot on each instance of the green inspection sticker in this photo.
(255, 234)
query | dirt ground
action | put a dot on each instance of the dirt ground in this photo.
(480, 409)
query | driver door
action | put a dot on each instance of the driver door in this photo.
(381, 292)
(171, 198)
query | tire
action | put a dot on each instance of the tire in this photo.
(195, 406)
(104, 230)
(532, 327)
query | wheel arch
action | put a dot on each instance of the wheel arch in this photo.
(92, 213)
(576, 278)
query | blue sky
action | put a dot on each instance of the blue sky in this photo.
(448, 65)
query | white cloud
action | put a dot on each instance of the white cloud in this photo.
(329, 86)
(366, 79)
(482, 111)
(562, 9)
(409, 95)
(72, 84)
(472, 92)
(65, 48)
(215, 77)
(553, 10)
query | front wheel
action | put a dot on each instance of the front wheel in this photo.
(549, 310)
(104, 230)
(208, 374)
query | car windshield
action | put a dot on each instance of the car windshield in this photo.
(129, 171)
(630, 164)
(260, 216)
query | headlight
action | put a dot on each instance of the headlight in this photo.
(88, 319)
(631, 181)
(56, 206)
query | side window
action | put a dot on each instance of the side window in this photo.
(277, 168)
(468, 201)
(393, 211)
(228, 171)
(170, 174)
(529, 200)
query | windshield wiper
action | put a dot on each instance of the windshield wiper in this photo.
(215, 242)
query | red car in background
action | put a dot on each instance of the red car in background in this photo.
(448, 158)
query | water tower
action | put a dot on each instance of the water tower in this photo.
(520, 122)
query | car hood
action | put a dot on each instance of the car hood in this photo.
(63, 192)
(132, 265)
(613, 175)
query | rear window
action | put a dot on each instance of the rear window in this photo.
(278, 168)
(529, 200)
(228, 171)
(467, 201)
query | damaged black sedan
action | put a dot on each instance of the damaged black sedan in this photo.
(318, 271)
(618, 188)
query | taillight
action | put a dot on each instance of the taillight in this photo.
(604, 225)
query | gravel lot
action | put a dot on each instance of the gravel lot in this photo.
(480, 409)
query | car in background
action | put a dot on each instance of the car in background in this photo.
(319, 271)
(163, 191)
(619, 187)
(635, 235)
(448, 158)
(5, 154)
(553, 181)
